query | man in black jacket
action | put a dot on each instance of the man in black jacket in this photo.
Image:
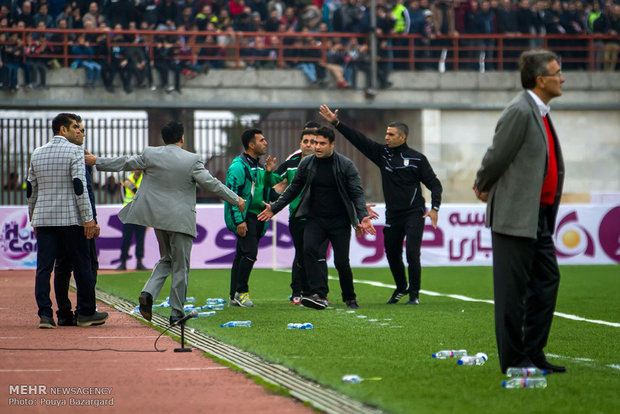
(402, 171)
(332, 199)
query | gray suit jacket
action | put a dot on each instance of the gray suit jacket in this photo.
(514, 168)
(166, 199)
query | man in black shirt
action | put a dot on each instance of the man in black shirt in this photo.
(332, 200)
(402, 171)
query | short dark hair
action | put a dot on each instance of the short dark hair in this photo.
(533, 63)
(63, 119)
(312, 125)
(248, 136)
(401, 127)
(327, 133)
(172, 132)
(305, 132)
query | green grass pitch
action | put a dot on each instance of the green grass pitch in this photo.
(395, 342)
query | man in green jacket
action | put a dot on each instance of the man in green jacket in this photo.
(249, 179)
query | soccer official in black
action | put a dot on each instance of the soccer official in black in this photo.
(403, 170)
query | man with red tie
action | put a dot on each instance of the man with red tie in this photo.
(521, 179)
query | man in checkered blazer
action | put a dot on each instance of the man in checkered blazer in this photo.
(62, 217)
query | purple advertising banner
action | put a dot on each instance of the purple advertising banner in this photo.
(585, 234)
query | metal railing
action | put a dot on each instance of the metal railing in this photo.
(401, 52)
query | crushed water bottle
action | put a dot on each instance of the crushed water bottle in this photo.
(215, 301)
(479, 359)
(525, 382)
(352, 379)
(205, 314)
(513, 372)
(305, 325)
(231, 324)
(450, 354)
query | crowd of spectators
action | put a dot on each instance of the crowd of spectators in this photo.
(105, 55)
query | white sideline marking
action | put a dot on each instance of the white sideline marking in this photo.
(468, 299)
(30, 370)
(190, 369)
(121, 337)
(10, 337)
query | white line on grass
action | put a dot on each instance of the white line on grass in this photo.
(468, 299)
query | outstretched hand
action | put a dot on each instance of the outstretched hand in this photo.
(266, 214)
(327, 114)
(365, 226)
(270, 163)
(241, 205)
(371, 213)
(89, 158)
(433, 215)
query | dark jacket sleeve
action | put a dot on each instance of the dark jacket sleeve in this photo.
(355, 191)
(430, 181)
(365, 145)
(294, 188)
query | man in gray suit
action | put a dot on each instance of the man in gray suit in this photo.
(166, 201)
(521, 180)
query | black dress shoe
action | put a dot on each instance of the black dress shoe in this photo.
(146, 305)
(548, 366)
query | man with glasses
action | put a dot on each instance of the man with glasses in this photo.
(521, 179)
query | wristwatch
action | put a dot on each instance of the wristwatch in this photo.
(335, 122)
(436, 208)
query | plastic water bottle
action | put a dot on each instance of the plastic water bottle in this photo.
(191, 299)
(306, 325)
(450, 354)
(524, 382)
(164, 304)
(189, 308)
(212, 307)
(479, 359)
(352, 379)
(205, 314)
(215, 301)
(525, 372)
(236, 323)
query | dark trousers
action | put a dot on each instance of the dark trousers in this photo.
(62, 277)
(338, 231)
(129, 230)
(72, 238)
(525, 282)
(299, 280)
(245, 256)
(394, 233)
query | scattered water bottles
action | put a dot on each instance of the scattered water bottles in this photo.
(236, 323)
(205, 314)
(513, 372)
(305, 325)
(525, 382)
(215, 301)
(189, 308)
(479, 359)
(450, 354)
(164, 304)
(352, 379)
